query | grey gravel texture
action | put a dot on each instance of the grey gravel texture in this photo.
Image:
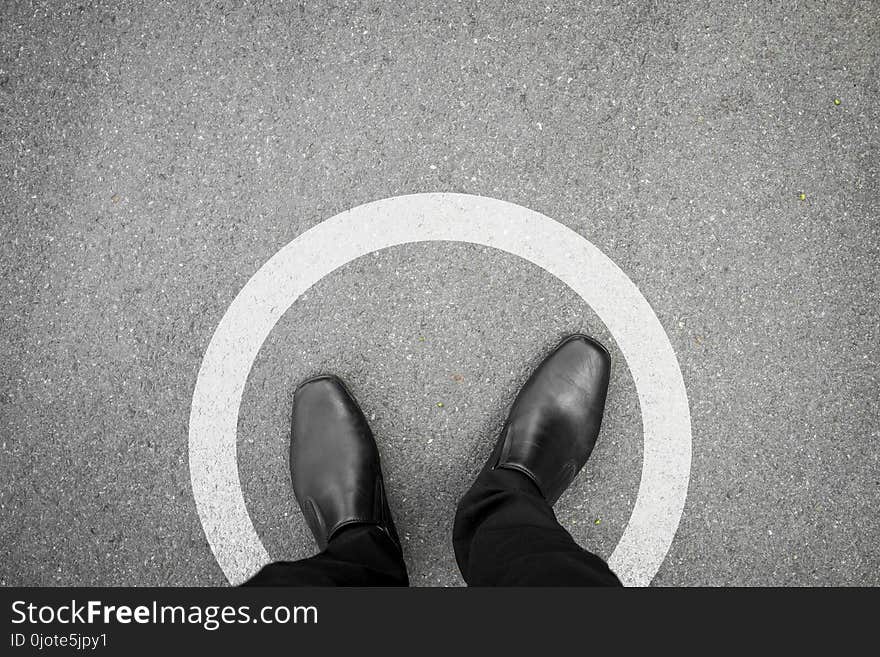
(155, 154)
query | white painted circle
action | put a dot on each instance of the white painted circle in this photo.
(399, 220)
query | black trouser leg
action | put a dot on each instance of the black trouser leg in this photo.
(360, 555)
(506, 534)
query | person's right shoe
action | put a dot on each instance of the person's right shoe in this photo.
(554, 422)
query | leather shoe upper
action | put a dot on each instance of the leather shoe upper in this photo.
(554, 422)
(334, 462)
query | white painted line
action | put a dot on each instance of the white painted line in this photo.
(444, 217)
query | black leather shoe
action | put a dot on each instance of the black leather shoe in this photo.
(334, 463)
(554, 422)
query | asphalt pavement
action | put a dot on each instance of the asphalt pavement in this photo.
(156, 154)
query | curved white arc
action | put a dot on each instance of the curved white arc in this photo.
(441, 217)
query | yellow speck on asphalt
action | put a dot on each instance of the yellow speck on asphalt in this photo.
(802, 196)
(439, 404)
(837, 101)
(598, 521)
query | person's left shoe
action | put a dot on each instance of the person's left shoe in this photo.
(334, 462)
